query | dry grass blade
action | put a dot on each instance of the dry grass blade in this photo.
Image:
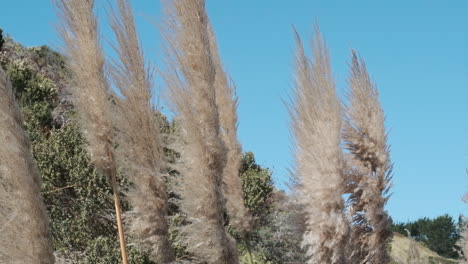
(191, 82)
(414, 256)
(366, 139)
(462, 243)
(140, 149)
(316, 124)
(226, 101)
(79, 31)
(23, 219)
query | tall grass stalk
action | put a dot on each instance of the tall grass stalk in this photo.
(79, 31)
(316, 123)
(370, 181)
(462, 243)
(140, 149)
(226, 100)
(191, 82)
(23, 219)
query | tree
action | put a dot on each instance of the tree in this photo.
(277, 227)
(257, 187)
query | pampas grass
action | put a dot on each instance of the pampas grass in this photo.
(366, 139)
(78, 29)
(316, 124)
(226, 101)
(191, 83)
(140, 149)
(23, 219)
(462, 243)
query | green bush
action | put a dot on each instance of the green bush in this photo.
(275, 238)
(257, 186)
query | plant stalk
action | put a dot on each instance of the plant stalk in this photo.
(118, 211)
(118, 215)
(249, 250)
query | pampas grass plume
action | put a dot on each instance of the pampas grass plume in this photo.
(140, 149)
(316, 123)
(191, 83)
(23, 219)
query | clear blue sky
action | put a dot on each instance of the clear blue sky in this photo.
(416, 51)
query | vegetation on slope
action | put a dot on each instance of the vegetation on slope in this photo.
(439, 234)
(400, 252)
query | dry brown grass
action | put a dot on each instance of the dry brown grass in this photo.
(140, 150)
(406, 250)
(79, 31)
(316, 124)
(23, 219)
(191, 82)
(414, 256)
(369, 162)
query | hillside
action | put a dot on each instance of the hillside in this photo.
(401, 250)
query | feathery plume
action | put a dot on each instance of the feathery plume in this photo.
(316, 124)
(191, 82)
(79, 31)
(139, 140)
(226, 101)
(462, 243)
(366, 139)
(23, 219)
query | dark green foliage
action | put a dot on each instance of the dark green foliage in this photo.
(2, 41)
(276, 236)
(77, 197)
(257, 186)
(105, 250)
(439, 234)
(36, 94)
